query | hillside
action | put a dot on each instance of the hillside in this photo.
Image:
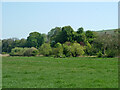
(110, 31)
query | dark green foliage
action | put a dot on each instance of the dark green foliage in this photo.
(9, 44)
(52, 34)
(45, 39)
(22, 43)
(35, 39)
(80, 30)
(111, 53)
(90, 36)
(80, 38)
(63, 42)
(66, 34)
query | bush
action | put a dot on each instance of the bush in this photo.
(74, 50)
(99, 54)
(89, 49)
(45, 49)
(30, 51)
(58, 50)
(77, 50)
(111, 53)
(3, 53)
(67, 50)
(17, 51)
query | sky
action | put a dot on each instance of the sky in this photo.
(21, 18)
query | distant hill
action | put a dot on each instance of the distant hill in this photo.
(110, 31)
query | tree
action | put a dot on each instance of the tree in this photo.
(67, 34)
(45, 38)
(81, 38)
(54, 35)
(80, 30)
(22, 42)
(90, 36)
(35, 39)
(58, 50)
(73, 49)
(78, 50)
(7, 45)
(45, 49)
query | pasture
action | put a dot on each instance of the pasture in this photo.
(49, 72)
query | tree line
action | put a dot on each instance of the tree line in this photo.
(64, 42)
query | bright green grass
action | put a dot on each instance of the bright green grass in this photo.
(48, 72)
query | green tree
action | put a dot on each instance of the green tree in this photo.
(90, 35)
(80, 30)
(7, 45)
(45, 49)
(54, 35)
(22, 42)
(58, 50)
(78, 50)
(35, 39)
(67, 34)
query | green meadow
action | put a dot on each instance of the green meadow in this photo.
(49, 72)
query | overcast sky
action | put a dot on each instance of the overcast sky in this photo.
(21, 18)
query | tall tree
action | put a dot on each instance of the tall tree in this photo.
(35, 39)
(90, 35)
(80, 30)
(67, 34)
(53, 33)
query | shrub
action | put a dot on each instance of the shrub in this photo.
(74, 50)
(45, 49)
(67, 50)
(111, 53)
(58, 50)
(3, 53)
(88, 49)
(30, 51)
(99, 54)
(17, 51)
(77, 50)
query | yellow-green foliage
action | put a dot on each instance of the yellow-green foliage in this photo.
(73, 49)
(45, 49)
(58, 50)
(17, 51)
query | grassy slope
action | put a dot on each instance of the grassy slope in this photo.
(111, 31)
(48, 72)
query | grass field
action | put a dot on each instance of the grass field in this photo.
(48, 72)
